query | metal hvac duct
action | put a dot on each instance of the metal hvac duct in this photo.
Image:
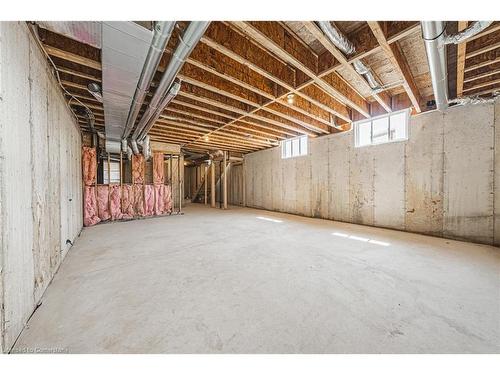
(172, 93)
(435, 38)
(162, 33)
(469, 32)
(124, 49)
(340, 41)
(187, 42)
(88, 32)
(367, 73)
(475, 99)
(337, 38)
(135, 148)
(146, 147)
(433, 35)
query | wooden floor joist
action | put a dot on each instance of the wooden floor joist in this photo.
(248, 85)
(382, 97)
(305, 64)
(398, 61)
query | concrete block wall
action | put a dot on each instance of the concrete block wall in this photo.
(444, 181)
(40, 178)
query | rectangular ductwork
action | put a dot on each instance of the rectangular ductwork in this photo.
(124, 49)
(88, 32)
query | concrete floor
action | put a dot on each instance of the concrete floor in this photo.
(252, 281)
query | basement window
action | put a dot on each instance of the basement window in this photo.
(293, 147)
(114, 175)
(382, 129)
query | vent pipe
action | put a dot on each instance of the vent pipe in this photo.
(172, 93)
(162, 33)
(340, 41)
(367, 73)
(187, 42)
(146, 147)
(135, 148)
(476, 99)
(435, 38)
(469, 32)
(337, 38)
(433, 35)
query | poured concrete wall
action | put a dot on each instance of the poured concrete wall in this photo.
(40, 178)
(443, 181)
(235, 185)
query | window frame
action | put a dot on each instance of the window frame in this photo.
(105, 172)
(357, 124)
(298, 141)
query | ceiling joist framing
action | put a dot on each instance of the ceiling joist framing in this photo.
(248, 85)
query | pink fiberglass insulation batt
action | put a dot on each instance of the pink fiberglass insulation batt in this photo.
(168, 198)
(138, 200)
(160, 199)
(149, 199)
(115, 205)
(89, 165)
(90, 207)
(127, 202)
(138, 169)
(158, 168)
(103, 202)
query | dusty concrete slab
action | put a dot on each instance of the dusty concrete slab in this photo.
(254, 281)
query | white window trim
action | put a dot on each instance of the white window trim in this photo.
(290, 140)
(371, 119)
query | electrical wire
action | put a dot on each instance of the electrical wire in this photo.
(90, 114)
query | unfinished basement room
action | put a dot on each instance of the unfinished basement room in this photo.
(251, 187)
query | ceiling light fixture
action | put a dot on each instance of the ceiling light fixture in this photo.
(206, 138)
(95, 90)
(290, 98)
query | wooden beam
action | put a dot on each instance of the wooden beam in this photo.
(73, 84)
(274, 121)
(484, 92)
(229, 42)
(481, 50)
(270, 40)
(265, 128)
(179, 99)
(224, 39)
(481, 64)
(483, 84)
(382, 98)
(461, 60)
(78, 74)
(172, 110)
(175, 125)
(398, 61)
(68, 56)
(194, 76)
(211, 144)
(483, 75)
(233, 134)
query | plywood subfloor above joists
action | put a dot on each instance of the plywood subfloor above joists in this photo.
(247, 85)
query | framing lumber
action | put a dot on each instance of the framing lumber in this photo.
(484, 84)
(68, 56)
(266, 35)
(461, 60)
(382, 98)
(398, 61)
